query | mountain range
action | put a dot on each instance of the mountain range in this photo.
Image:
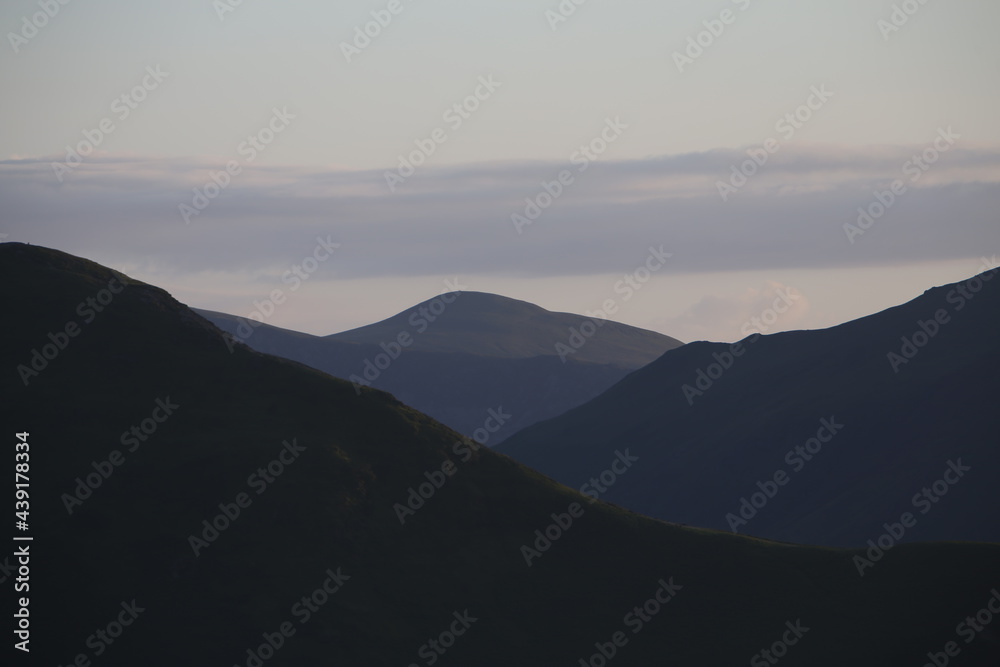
(816, 437)
(465, 357)
(194, 501)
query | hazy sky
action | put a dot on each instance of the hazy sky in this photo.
(619, 99)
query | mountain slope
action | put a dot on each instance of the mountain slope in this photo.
(465, 355)
(496, 326)
(214, 423)
(708, 425)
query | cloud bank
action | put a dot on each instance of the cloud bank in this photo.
(790, 213)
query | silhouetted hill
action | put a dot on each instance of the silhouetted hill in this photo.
(496, 326)
(704, 449)
(461, 355)
(309, 472)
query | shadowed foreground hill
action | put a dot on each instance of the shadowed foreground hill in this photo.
(909, 391)
(146, 402)
(465, 354)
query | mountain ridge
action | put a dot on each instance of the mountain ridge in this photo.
(485, 357)
(503, 319)
(328, 523)
(729, 413)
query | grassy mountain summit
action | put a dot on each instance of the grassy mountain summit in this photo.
(463, 355)
(840, 429)
(257, 521)
(497, 326)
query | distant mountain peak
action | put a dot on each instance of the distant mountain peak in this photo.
(492, 325)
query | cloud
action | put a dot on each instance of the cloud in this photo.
(791, 214)
(767, 309)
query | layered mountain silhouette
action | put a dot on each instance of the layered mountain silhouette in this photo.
(861, 423)
(464, 357)
(240, 509)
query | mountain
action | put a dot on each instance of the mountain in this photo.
(490, 325)
(466, 357)
(858, 423)
(192, 505)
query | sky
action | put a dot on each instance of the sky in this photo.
(362, 156)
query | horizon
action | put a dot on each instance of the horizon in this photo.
(256, 315)
(481, 331)
(542, 165)
(265, 309)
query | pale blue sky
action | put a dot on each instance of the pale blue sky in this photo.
(656, 184)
